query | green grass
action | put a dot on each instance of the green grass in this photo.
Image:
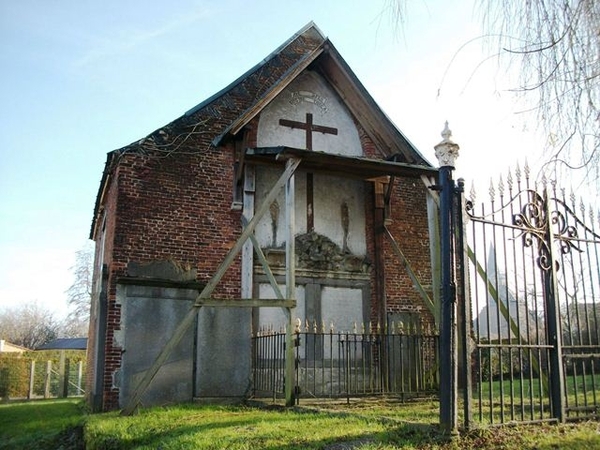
(369, 425)
(48, 424)
(535, 401)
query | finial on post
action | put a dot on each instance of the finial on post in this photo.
(446, 151)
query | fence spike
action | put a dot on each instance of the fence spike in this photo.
(501, 186)
(362, 328)
(354, 328)
(472, 193)
(401, 328)
(518, 173)
(331, 327)
(492, 191)
(526, 170)
(307, 326)
(572, 198)
(315, 328)
(544, 181)
(322, 326)
(509, 180)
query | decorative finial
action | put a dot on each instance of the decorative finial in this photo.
(446, 133)
(447, 150)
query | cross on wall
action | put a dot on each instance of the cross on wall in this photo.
(309, 126)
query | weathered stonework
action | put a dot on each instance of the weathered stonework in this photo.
(316, 252)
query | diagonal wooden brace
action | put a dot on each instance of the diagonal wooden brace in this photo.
(187, 321)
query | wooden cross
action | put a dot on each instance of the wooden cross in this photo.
(309, 127)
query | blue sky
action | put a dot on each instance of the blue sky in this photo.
(80, 78)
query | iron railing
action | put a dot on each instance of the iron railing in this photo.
(533, 259)
(348, 364)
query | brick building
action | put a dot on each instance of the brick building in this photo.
(172, 205)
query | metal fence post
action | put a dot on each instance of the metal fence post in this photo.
(557, 381)
(48, 379)
(30, 391)
(447, 152)
(79, 377)
(62, 393)
(464, 307)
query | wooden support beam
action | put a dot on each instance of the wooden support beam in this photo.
(247, 284)
(248, 303)
(187, 321)
(433, 223)
(413, 276)
(290, 284)
(265, 265)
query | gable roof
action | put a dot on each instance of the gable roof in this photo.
(224, 114)
(8, 347)
(65, 344)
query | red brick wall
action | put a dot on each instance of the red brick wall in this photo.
(178, 208)
(110, 208)
(409, 227)
(175, 208)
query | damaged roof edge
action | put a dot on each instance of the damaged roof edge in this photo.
(311, 28)
(245, 75)
(278, 86)
(100, 195)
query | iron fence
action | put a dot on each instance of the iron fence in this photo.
(533, 259)
(330, 364)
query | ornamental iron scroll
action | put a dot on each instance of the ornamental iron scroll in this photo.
(546, 220)
(533, 222)
(540, 220)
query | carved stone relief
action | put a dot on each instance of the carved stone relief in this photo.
(297, 97)
(319, 253)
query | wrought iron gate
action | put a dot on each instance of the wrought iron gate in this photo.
(533, 259)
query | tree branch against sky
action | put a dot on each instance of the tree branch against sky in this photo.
(29, 325)
(555, 44)
(554, 48)
(79, 294)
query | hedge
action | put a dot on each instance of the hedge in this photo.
(15, 372)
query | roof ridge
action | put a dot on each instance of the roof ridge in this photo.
(270, 56)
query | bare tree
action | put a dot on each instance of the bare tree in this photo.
(79, 294)
(29, 325)
(556, 46)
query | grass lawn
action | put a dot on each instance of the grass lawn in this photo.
(331, 426)
(42, 425)
(366, 425)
